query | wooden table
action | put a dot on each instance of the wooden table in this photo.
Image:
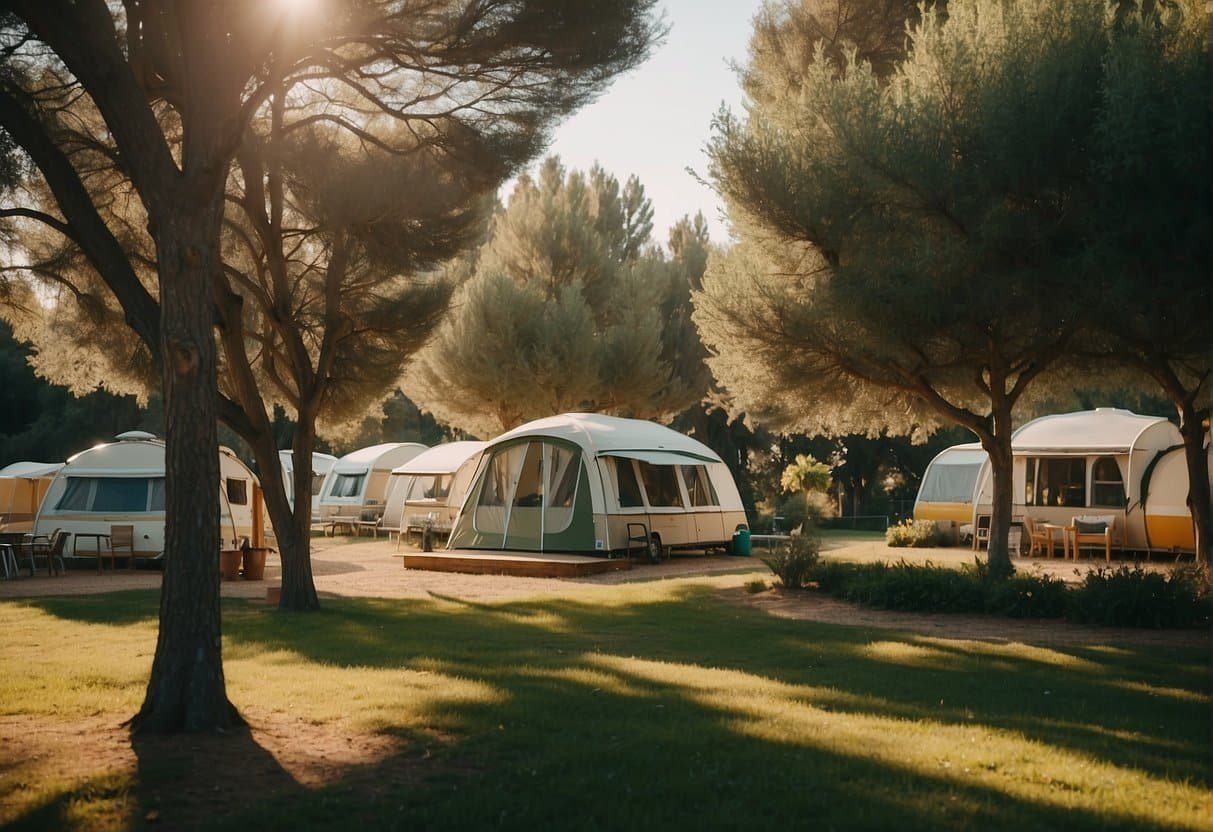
(1048, 529)
(97, 538)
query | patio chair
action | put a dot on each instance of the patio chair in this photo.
(981, 533)
(1097, 529)
(50, 547)
(1038, 539)
(122, 537)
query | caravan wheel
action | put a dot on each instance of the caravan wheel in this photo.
(655, 551)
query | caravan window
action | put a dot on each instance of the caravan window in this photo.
(699, 485)
(317, 483)
(1057, 481)
(115, 495)
(661, 485)
(1107, 486)
(237, 492)
(430, 487)
(626, 485)
(347, 485)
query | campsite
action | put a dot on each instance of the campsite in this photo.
(450, 700)
(614, 415)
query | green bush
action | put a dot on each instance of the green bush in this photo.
(920, 535)
(931, 588)
(793, 562)
(756, 586)
(1128, 596)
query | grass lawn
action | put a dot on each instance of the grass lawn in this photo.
(646, 706)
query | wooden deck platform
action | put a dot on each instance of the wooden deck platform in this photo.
(520, 564)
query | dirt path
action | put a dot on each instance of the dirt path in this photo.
(348, 567)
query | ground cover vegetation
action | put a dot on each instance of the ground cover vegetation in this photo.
(1125, 596)
(647, 706)
(933, 243)
(172, 94)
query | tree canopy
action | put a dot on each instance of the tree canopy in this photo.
(917, 250)
(177, 86)
(568, 307)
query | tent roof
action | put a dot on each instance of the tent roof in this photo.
(364, 459)
(30, 470)
(441, 459)
(600, 435)
(1105, 429)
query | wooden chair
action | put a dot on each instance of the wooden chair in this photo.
(1093, 529)
(50, 548)
(1038, 539)
(122, 537)
(981, 532)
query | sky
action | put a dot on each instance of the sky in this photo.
(654, 121)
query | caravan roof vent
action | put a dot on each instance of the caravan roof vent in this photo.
(135, 436)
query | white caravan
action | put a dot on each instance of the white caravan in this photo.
(122, 483)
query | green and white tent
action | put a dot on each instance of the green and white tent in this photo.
(583, 482)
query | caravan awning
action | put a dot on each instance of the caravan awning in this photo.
(661, 457)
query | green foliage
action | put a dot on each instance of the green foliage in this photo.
(794, 560)
(932, 588)
(755, 586)
(916, 535)
(805, 474)
(569, 307)
(1129, 596)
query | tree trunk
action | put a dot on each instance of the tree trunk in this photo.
(298, 584)
(186, 690)
(1192, 429)
(998, 446)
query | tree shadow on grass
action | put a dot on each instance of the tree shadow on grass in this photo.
(562, 747)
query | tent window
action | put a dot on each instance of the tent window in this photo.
(237, 492)
(347, 485)
(562, 477)
(699, 486)
(1060, 481)
(661, 485)
(1107, 486)
(497, 478)
(529, 491)
(627, 488)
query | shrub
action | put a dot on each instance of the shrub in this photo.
(922, 534)
(756, 586)
(793, 562)
(931, 588)
(1128, 596)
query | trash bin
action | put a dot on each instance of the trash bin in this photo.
(741, 542)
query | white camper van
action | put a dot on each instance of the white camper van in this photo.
(122, 483)
(321, 465)
(357, 483)
(427, 491)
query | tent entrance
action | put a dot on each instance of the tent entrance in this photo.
(534, 496)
